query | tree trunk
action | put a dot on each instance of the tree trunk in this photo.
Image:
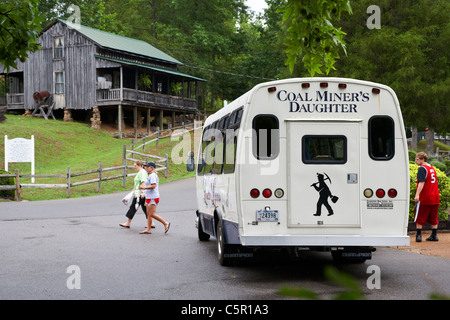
(430, 142)
(414, 138)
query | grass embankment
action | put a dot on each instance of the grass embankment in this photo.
(61, 145)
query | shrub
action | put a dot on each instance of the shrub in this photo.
(439, 165)
(412, 156)
(444, 192)
(6, 182)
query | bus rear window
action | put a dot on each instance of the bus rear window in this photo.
(381, 138)
(266, 137)
(323, 149)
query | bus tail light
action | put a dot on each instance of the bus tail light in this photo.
(254, 193)
(267, 193)
(392, 193)
(368, 193)
(380, 193)
(279, 193)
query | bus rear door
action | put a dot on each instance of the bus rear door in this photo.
(323, 173)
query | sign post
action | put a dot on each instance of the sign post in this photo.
(20, 150)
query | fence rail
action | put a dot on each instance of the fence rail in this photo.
(69, 176)
(162, 163)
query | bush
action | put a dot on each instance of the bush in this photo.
(444, 192)
(439, 165)
(412, 156)
(6, 182)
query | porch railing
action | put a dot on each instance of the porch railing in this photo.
(145, 97)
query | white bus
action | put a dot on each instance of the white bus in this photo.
(304, 164)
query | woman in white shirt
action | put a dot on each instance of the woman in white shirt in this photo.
(151, 187)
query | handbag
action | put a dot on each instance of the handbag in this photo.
(128, 198)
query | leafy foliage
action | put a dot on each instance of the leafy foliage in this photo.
(311, 36)
(19, 31)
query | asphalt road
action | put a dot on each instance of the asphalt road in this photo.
(48, 246)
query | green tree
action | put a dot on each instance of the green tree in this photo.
(19, 31)
(410, 53)
(92, 13)
(311, 36)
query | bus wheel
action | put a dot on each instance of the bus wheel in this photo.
(222, 247)
(202, 236)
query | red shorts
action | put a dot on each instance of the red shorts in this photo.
(154, 201)
(426, 213)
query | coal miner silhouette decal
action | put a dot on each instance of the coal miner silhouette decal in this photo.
(324, 194)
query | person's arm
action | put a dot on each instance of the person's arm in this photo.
(421, 176)
(418, 191)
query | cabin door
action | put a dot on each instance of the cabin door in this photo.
(323, 173)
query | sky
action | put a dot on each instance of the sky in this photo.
(257, 5)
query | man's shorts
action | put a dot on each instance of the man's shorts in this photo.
(154, 201)
(426, 213)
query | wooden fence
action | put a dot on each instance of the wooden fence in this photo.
(129, 154)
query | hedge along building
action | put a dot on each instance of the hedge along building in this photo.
(114, 77)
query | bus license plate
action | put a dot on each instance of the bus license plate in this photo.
(267, 215)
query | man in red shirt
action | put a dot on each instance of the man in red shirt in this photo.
(427, 198)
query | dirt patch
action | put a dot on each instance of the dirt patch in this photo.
(440, 248)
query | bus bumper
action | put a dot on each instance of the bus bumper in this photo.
(324, 240)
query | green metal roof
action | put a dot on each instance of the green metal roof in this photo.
(173, 72)
(114, 41)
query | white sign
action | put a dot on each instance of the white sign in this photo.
(19, 150)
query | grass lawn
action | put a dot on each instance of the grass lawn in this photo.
(60, 145)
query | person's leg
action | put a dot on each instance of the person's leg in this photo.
(130, 214)
(433, 219)
(151, 208)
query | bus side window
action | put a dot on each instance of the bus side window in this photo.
(231, 134)
(219, 146)
(381, 138)
(202, 153)
(266, 137)
(208, 148)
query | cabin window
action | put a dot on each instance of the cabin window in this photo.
(58, 49)
(266, 137)
(323, 149)
(381, 138)
(59, 82)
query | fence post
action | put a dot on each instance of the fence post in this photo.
(170, 131)
(124, 178)
(99, 176)
(157, 136)
(166, 171)
(68, 182)
(17, 185)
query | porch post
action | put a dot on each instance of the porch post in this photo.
(148, 120)
(135, 116)
(121, 84)
(119, 120)
(161, 117)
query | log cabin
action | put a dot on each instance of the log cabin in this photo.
(103, 77)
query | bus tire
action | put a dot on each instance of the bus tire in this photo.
(222, 247)
(202, 236)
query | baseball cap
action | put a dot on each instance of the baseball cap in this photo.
(150, 164)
